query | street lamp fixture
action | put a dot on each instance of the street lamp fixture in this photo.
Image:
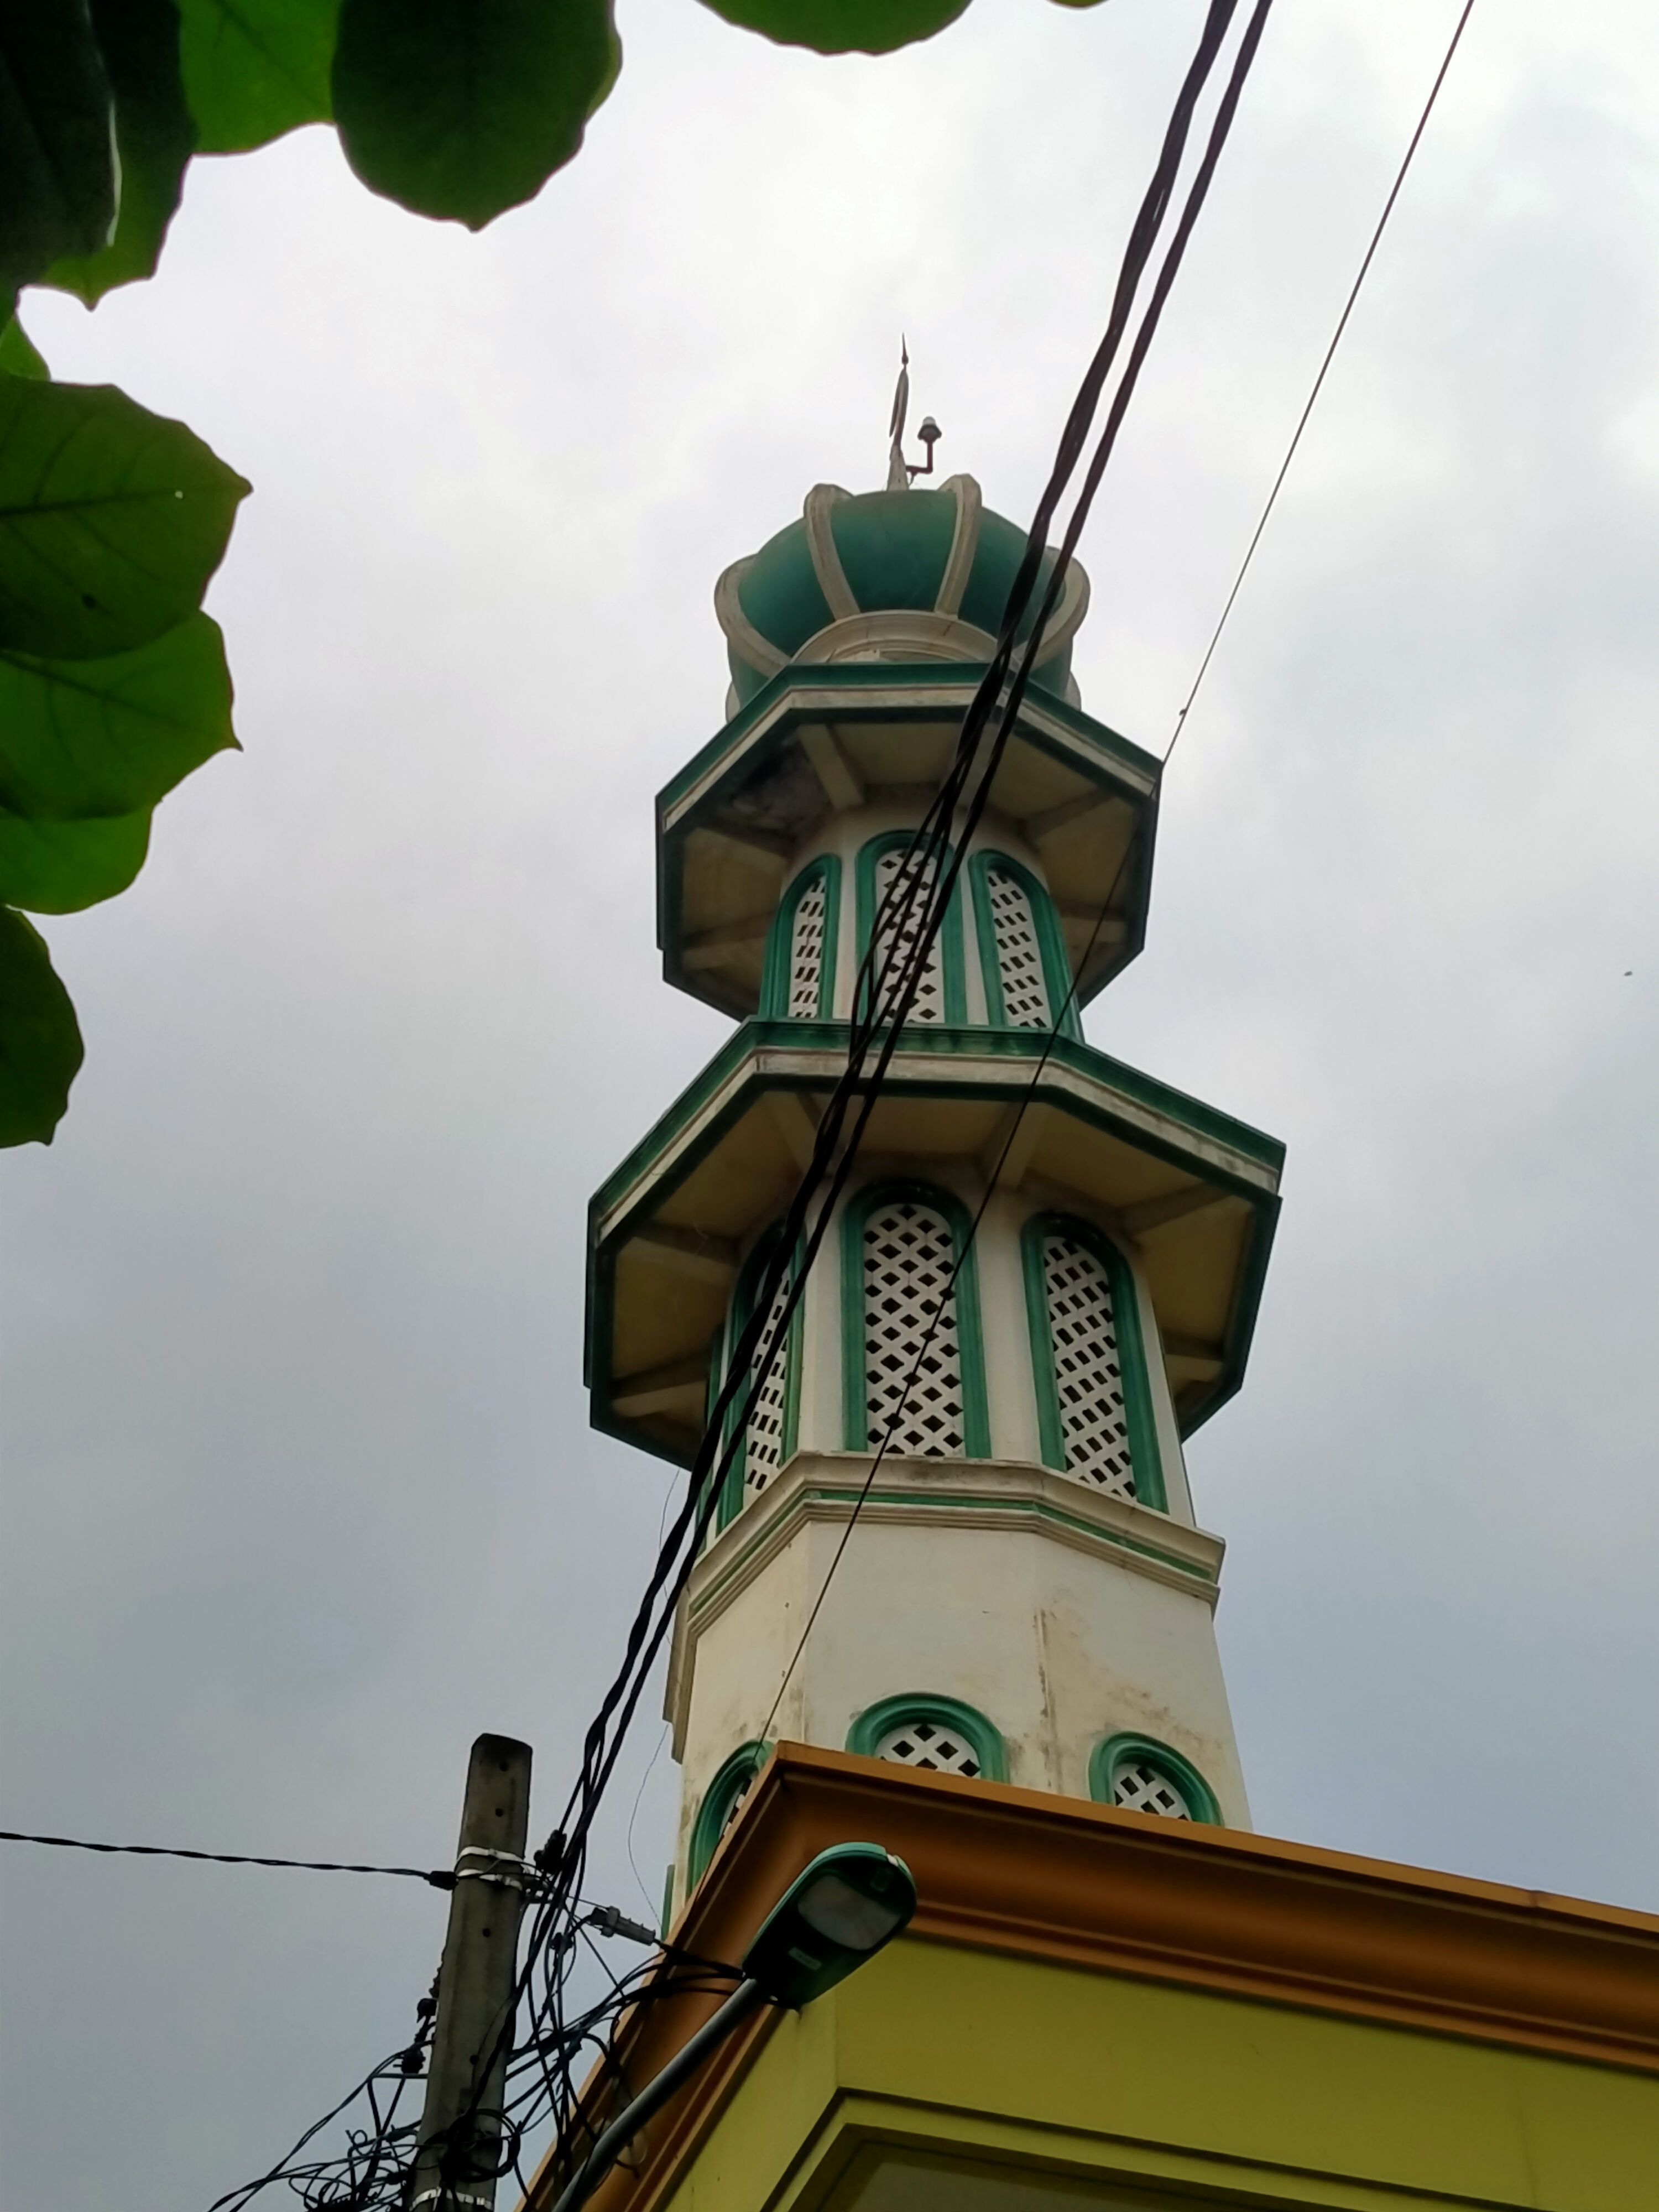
(850, 1901)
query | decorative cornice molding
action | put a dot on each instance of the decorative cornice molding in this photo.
(1020, 1873)
(1011, 1495)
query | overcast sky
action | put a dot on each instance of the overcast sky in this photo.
(300, 1489)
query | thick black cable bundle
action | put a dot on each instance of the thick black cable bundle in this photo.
(547, 2047)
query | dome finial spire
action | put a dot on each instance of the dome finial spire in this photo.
(899, 470)
(898, 476)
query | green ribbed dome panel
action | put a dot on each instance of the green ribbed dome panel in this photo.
(894, 546)
(780, 593)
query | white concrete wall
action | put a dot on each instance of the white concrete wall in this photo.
(1058, 1643)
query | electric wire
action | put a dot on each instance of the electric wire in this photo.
(437, 1877)
(1220, 129)
(765, 1320)
(992, 1180)
(1318, 382)
(906, 925)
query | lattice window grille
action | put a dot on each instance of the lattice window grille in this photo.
(762, 1449)
(1144, 1787)
(1019, 953)
(896, 870)
(1088, 1376)
(933, 1744)
(908, 1255)
(806, 947)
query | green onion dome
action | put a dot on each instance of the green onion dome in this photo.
(887, 575)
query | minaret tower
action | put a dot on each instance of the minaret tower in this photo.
(1026, 1596)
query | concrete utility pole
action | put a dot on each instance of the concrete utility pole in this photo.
(461, 2125)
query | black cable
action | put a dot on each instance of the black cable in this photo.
(791, 1264)
(1199, 188)
(646, 1637)
(439, 1877)
(1318, 382)
(895, 963)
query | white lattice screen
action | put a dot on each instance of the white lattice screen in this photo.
(806, 943)
(1088, 1380)
(933, 1744)
(1019, 954)
(896, 869)
(908, 1254)
(1140, 1785)
(763, 1449)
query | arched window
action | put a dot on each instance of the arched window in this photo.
(1094, 1402)
(912, 1364)
(1022, 955)
(769, 1438)
(799, 984)
(1144, 1776)
(721, 1801)
(895, 885)
(941, 1734)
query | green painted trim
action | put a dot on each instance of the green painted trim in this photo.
(667, 1899)
(948, 940)
(1018, 1049)
(1051, 1435)
(738, 1315)
(946, 1501)
(780, 941)
(874, 1721)
(878, 691)
(1108, 1756)
(1051, 944)
(970, 1342)
(960, 679)
(925, 1040)
(1145, 1457)
(745, 1762)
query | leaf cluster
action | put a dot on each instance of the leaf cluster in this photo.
(112, 682)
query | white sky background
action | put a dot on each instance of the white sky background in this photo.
(301, 1492)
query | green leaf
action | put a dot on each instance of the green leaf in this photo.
(57, 150)
(462, 108)
(841, 27)
(154, 139)
(58, 867)
(80, 738)
(18, 356)
(254, 69)
(40, 1048)
(111, 519)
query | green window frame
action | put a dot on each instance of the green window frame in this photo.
(1145, 1456)
(970, 1344)
(778, 975)
(731, 1778)
(1051, 944)
(1117, 1750)
(880, 1720)
(738, 1315)
(949, 941)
